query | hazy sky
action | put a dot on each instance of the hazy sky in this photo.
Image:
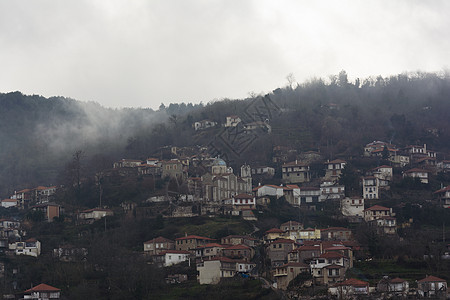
(140, 53)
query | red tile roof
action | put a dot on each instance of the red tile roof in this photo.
(336, 161)
(353, 282)
(331, 255)
(274, 230)
(431, 279)
(377, 207)
(196, 237)
(238, 247)
(43, 288)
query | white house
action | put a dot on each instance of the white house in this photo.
(370, 187)
(30, 247)
(95, 214)
(417, 173)
(383, 172)
(211, 271)
(295, 172)
(42, 291)
(331, 191)
(333, 169)
(173, 257)
(269, 190)
(352, 207)
(7, 203)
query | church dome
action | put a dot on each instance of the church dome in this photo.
(219, 162)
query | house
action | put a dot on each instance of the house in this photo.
(444, 197)
(417, 173)
(243, 201)
(269, 190)
(295, 172)
(191, 242)
(273, 234)
(30, 247)
(370, 187)
(417, 151)
(204, 124)
(309, 234)
(376, 212)
(333, 169)
(350, 289)
(382, 218)
(263, 171)
(91, 215)
(170, 257)
(9, 228)
(172, 168)
(335, 234)
(444, 166)
(383, 172)
(50, 210)
(395, 286)
(432, 287)
(158, 245)
(376, 148)
(329, 267)
(278, 251)
(309, 195)
(238, 239)
(42, 291)
(291, 226)
(331, 191)
(384, 225)
(23, 197)
(399, 160)
(211, 271)
(291, 193)
(352, 207)
(286, 273)
(127, 163)
(232, 121)
(241, 252)
(305, 253)
(209, 251)
(44, 194)
(7, 203)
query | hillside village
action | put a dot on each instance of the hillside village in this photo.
(305, 225)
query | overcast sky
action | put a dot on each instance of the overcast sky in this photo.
(140, 53)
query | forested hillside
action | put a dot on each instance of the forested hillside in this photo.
(334, 116)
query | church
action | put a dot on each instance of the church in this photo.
(221, 183)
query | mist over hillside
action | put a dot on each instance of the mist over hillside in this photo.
(334, 116)
(39, 135)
